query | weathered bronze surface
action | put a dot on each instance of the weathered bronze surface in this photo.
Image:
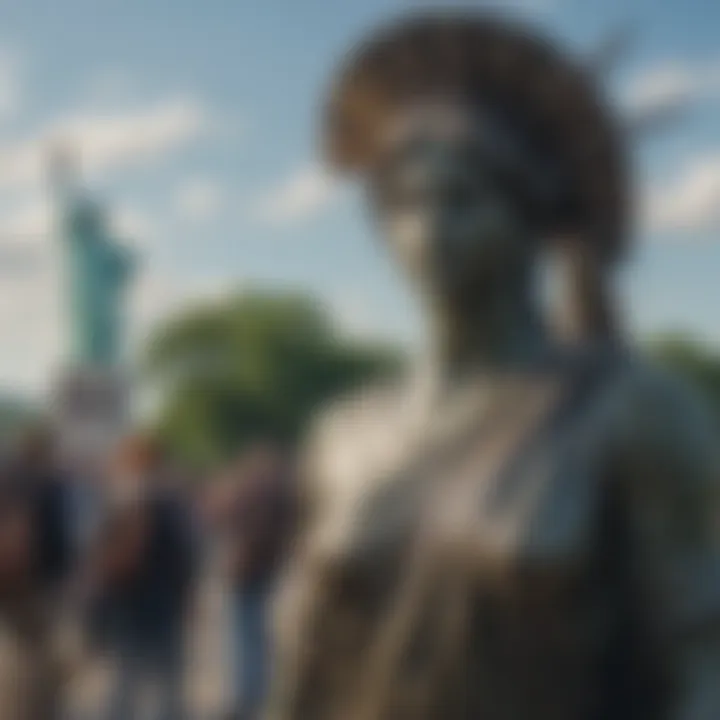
(525, 528)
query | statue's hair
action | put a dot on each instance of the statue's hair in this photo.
(552, 101)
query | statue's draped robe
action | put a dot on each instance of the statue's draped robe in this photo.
(553, 560)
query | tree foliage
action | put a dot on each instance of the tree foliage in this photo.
(696, 361)
(255, 365)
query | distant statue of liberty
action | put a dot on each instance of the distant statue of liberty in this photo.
(98, 270)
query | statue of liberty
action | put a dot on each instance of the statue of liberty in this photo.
(98, 270)
(92, 401)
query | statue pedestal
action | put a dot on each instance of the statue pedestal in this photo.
(91, 412)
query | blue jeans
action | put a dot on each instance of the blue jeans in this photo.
(158, 670)
(250, 648)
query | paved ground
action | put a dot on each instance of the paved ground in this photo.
(207, 672)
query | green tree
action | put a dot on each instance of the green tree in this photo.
(254, 365)
(696, 361)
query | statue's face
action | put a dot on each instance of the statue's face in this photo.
(451, 223)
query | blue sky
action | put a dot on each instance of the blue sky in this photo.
(196, 121)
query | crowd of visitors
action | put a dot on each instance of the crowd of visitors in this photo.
(106, 565)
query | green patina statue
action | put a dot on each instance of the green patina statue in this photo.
(99, 270)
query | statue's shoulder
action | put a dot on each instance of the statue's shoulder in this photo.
(346, 434)
(354, 418)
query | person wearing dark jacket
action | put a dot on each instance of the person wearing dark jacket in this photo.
(145, 569)
(33, 664)
(35, 461)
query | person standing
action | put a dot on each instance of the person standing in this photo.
(145, 569)
(36, 462)
(258, 520)
(32, 668)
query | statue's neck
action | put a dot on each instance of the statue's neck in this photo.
(494, 330)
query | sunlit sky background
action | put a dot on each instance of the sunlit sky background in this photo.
(196, 123)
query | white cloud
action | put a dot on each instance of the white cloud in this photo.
(198, 199)
(304, 193)
(671, 86)
(133, 226)
(32, 322)
(104, 141)
(689, 203)
(29, 223)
